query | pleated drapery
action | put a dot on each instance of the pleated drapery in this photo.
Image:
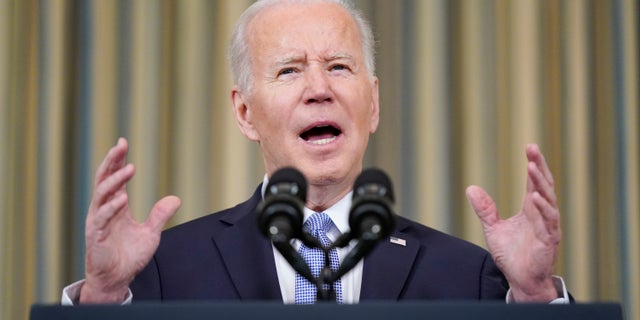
(464, 85)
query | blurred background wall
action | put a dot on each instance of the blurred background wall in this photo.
(465, 84)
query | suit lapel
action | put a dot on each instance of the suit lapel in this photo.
(247, 254)
(387, 268)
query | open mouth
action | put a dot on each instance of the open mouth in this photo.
(320, 135)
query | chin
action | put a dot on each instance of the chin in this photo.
(326, 175)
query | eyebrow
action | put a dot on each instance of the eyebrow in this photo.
(290, 59)
(339, 56)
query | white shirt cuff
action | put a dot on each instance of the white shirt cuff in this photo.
(71, 294)
(558, 282)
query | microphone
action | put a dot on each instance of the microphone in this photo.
(280, 213)
(371, 217)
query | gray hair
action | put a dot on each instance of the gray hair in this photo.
(239, 50)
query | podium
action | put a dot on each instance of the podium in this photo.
(366, 310)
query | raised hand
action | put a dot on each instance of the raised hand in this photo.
(524, 246)
(117, 246)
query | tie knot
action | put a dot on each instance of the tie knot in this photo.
(318, 221)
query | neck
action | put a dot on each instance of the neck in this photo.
(320, 198)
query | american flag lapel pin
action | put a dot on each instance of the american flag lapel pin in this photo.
(398, 241)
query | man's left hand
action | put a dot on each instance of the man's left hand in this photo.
(524, 246)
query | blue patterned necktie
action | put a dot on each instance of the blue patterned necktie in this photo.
(318, 225)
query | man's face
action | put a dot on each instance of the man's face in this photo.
(313, 103)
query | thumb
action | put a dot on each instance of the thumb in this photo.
(483, 205)
(162, 211)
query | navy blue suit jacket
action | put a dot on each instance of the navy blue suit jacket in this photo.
(223, 256)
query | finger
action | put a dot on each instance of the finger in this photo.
(540, 183)
(161, 212)
(550, 217)
(112, 185)
(545, 228)
(544, 181)
(483, 205)
(108, 210)
(113, 161)
(535, 155)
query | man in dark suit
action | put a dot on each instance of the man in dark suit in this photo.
(224, 256)
(306, 92)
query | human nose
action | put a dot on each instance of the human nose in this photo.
(318, 86)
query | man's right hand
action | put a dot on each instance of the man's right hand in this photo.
(117, 246)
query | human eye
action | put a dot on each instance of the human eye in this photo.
(286, 71)
(339, 67)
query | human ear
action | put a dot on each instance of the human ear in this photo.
(242, 113)
(375, 106)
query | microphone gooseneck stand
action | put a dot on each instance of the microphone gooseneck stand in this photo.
(371, 218)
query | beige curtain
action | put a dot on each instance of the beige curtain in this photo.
(464, 86)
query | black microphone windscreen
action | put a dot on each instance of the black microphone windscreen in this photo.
(290, 176)
(280, 213)
(373, 178)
